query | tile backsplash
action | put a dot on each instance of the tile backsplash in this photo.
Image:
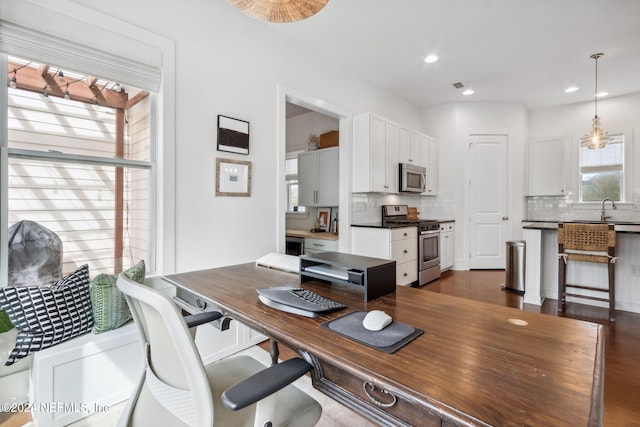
(563, 209)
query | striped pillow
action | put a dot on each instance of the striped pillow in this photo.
(48, 315)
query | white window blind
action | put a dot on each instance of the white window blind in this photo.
(50, 49)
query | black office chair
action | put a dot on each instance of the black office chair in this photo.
(175, 388)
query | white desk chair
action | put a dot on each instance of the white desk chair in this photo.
(175, 388)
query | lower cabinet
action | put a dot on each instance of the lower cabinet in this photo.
(399, 244)
(447, 252)
(313, 246)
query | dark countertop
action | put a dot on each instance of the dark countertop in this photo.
(378, 224)
(621, 226)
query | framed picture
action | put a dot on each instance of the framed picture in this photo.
(233, 178)
(323, 219)
(233, 135)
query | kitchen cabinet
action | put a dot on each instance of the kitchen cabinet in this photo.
(313, 246)
(410, 147)
(375, 154)
(447, 251)
(318, 177)
(547, 167)
(430, 160)
(399, 244)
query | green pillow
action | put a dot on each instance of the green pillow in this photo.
(110, 309)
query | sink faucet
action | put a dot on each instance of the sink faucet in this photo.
(603, 218)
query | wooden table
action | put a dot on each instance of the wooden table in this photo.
(476, 363)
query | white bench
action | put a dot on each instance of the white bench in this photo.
(84, 375)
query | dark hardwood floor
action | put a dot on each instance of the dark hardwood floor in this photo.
(622, 337)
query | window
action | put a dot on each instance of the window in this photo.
(81, 164)
(602, 172)
(291, 179)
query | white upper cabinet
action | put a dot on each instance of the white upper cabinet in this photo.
(375, 154)
(409, 147)
(318, 180)
(547, 169)
(430, 160)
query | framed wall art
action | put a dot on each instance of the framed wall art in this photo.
(233, 178)
(233, 135)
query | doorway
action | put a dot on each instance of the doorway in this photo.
(289, 98)
(488, 201)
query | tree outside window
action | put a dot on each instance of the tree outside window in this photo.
(602, 172)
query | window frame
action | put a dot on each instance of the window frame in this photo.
(290, 179)
(99, 31)
(627, 173)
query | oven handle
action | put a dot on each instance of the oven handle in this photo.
(422, 233)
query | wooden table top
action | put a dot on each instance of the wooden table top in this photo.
(477, 362)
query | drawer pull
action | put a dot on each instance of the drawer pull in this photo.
(376, 401)
(406, 251)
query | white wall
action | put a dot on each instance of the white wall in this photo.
(227, 63)
(300, 127)
(451, 124)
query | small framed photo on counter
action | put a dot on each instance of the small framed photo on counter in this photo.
(323, 219)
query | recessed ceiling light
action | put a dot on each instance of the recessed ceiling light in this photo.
(602, 94)
(571, 89)
(430, 59)
(468, 92)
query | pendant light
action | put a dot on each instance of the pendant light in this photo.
(279, 10)
(597, 138)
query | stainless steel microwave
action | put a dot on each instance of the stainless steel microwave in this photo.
(413, 178)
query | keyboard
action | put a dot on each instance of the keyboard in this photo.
(298, 301)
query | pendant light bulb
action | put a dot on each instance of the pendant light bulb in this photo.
(14, 82)
(596, 138)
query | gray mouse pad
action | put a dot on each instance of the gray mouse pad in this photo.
(389, 339)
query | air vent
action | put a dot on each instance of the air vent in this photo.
(458, 85)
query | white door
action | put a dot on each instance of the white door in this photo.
(488, 201)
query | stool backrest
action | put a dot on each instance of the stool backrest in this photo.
(587, 237)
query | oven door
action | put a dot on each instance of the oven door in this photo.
(429, 250)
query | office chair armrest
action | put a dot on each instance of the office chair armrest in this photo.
(264, 383)
(198, 319)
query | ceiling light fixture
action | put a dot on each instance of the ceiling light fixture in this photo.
(468, 92)
(430, 59)
(571, 89)
(279, 10)
(596, 138)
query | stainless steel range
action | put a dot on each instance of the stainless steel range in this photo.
(428, 240)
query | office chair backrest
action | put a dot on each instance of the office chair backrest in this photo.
(175, 386)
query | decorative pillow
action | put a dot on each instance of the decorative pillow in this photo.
(110, 309)
(48, 315)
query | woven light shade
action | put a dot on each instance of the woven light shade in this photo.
(279, 10)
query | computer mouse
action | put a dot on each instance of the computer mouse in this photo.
(376, 320)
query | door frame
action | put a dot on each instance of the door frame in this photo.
(287, 95)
